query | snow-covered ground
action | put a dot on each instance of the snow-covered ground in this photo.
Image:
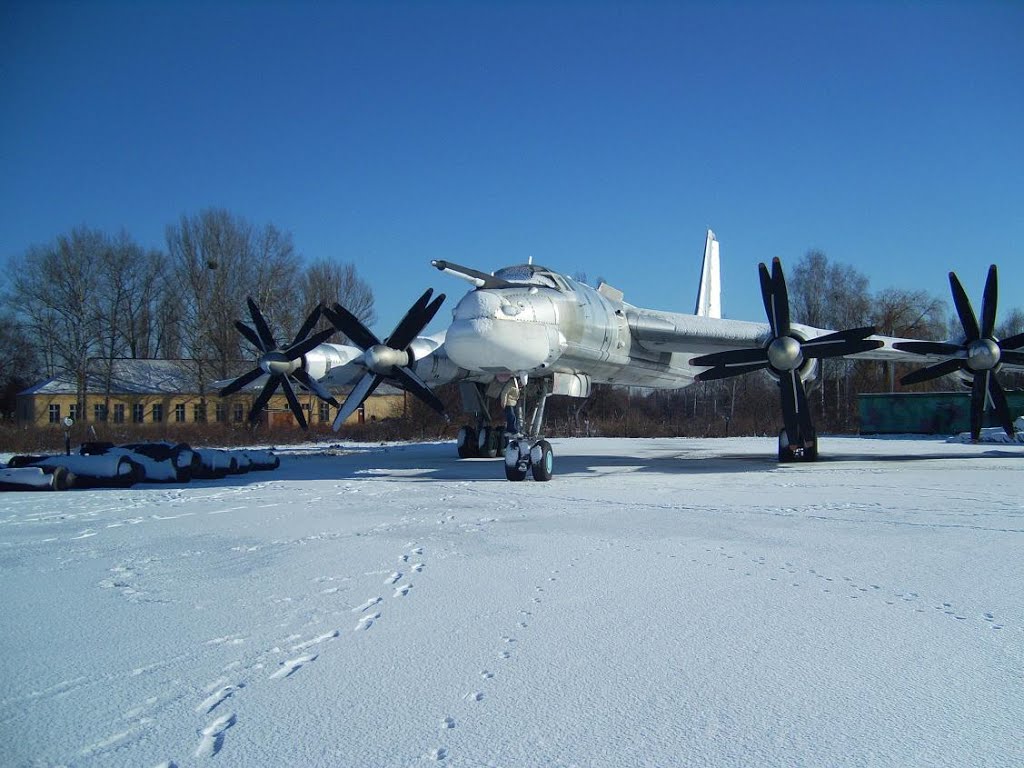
(666, 602)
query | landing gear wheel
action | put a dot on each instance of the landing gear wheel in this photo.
(487, 440)
(811, 451)
(786, 455)
(515, 463)
(466, 442)
(542, 461)
(806, 450)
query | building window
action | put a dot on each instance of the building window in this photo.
(179, 412)
(119, 413)
(218, 413)
(239, 412)
(158, 413)
(199, 413)
(138, 413)
(324, 412)
(54, 413)
(99, 412)
(73, 411)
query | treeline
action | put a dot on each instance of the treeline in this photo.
(89, 297)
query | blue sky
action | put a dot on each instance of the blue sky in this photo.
(596, 137)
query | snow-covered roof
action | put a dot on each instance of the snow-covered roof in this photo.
(136, 377)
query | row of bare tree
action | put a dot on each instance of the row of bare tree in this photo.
(91, 296)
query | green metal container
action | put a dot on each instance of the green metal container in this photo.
(924, 413)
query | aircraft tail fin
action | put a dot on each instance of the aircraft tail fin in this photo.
(709, 295)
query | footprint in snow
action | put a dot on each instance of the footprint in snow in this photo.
(393, 577)
(290, 667)
(448, 722)
(402, 591)
(367, 621)
(218, 697)
(439, 754)
(418, 567)
(367, 605)
(212, 736)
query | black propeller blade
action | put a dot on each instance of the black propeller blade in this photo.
(785, 354)
(280, 364)
(389, 360)
(980, 355)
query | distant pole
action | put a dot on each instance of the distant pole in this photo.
(68, 423)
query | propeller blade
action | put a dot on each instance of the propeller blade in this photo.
(241, 381)
(410, 381)
(723, 372)
(733, 357)
(964, 310)
(988, 303)
(409, 325)
(839, 348)
(767, 298)
(944, 368)
(1013, 358)
(792, 389)
(1013, 342)
(352, 327)
(1002, 407)
(362, 390)
(264, 397)
(852, 334)
(293, 402)
(298, 350)
(928, 347)
(781, 294)
(261, 325)
(311, 321)
(979, 393)
(250, 335)
(315, 387)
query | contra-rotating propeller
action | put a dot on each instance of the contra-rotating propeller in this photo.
(390, 359)
(785, 354)
(980, 355)
(280, 364)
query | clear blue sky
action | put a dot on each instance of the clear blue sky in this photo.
(596, 137)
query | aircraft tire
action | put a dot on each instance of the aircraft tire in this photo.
(487, 440)
(466, 442)
(542, 461)
(786, 456)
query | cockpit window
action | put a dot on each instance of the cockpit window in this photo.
(530, 274)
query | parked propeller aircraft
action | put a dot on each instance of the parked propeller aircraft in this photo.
(563, 336)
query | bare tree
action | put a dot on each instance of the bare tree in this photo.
(325, 282)
(53, 287)
(217, 260)
(909, 314)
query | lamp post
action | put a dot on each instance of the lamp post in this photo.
(68, 424)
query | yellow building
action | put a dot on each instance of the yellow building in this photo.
(165, 391)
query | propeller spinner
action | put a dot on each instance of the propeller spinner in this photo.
(979, 356)
(390, 359)
(281, 365)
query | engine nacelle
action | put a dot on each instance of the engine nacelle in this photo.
(319, 360)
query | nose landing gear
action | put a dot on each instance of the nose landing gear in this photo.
(523, 455)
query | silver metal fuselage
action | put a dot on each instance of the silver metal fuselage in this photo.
(572, 328)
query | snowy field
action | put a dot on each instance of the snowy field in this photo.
(667, 602)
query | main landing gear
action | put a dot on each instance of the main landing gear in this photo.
(524, 453)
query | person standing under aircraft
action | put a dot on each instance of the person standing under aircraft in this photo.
(509, 399)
